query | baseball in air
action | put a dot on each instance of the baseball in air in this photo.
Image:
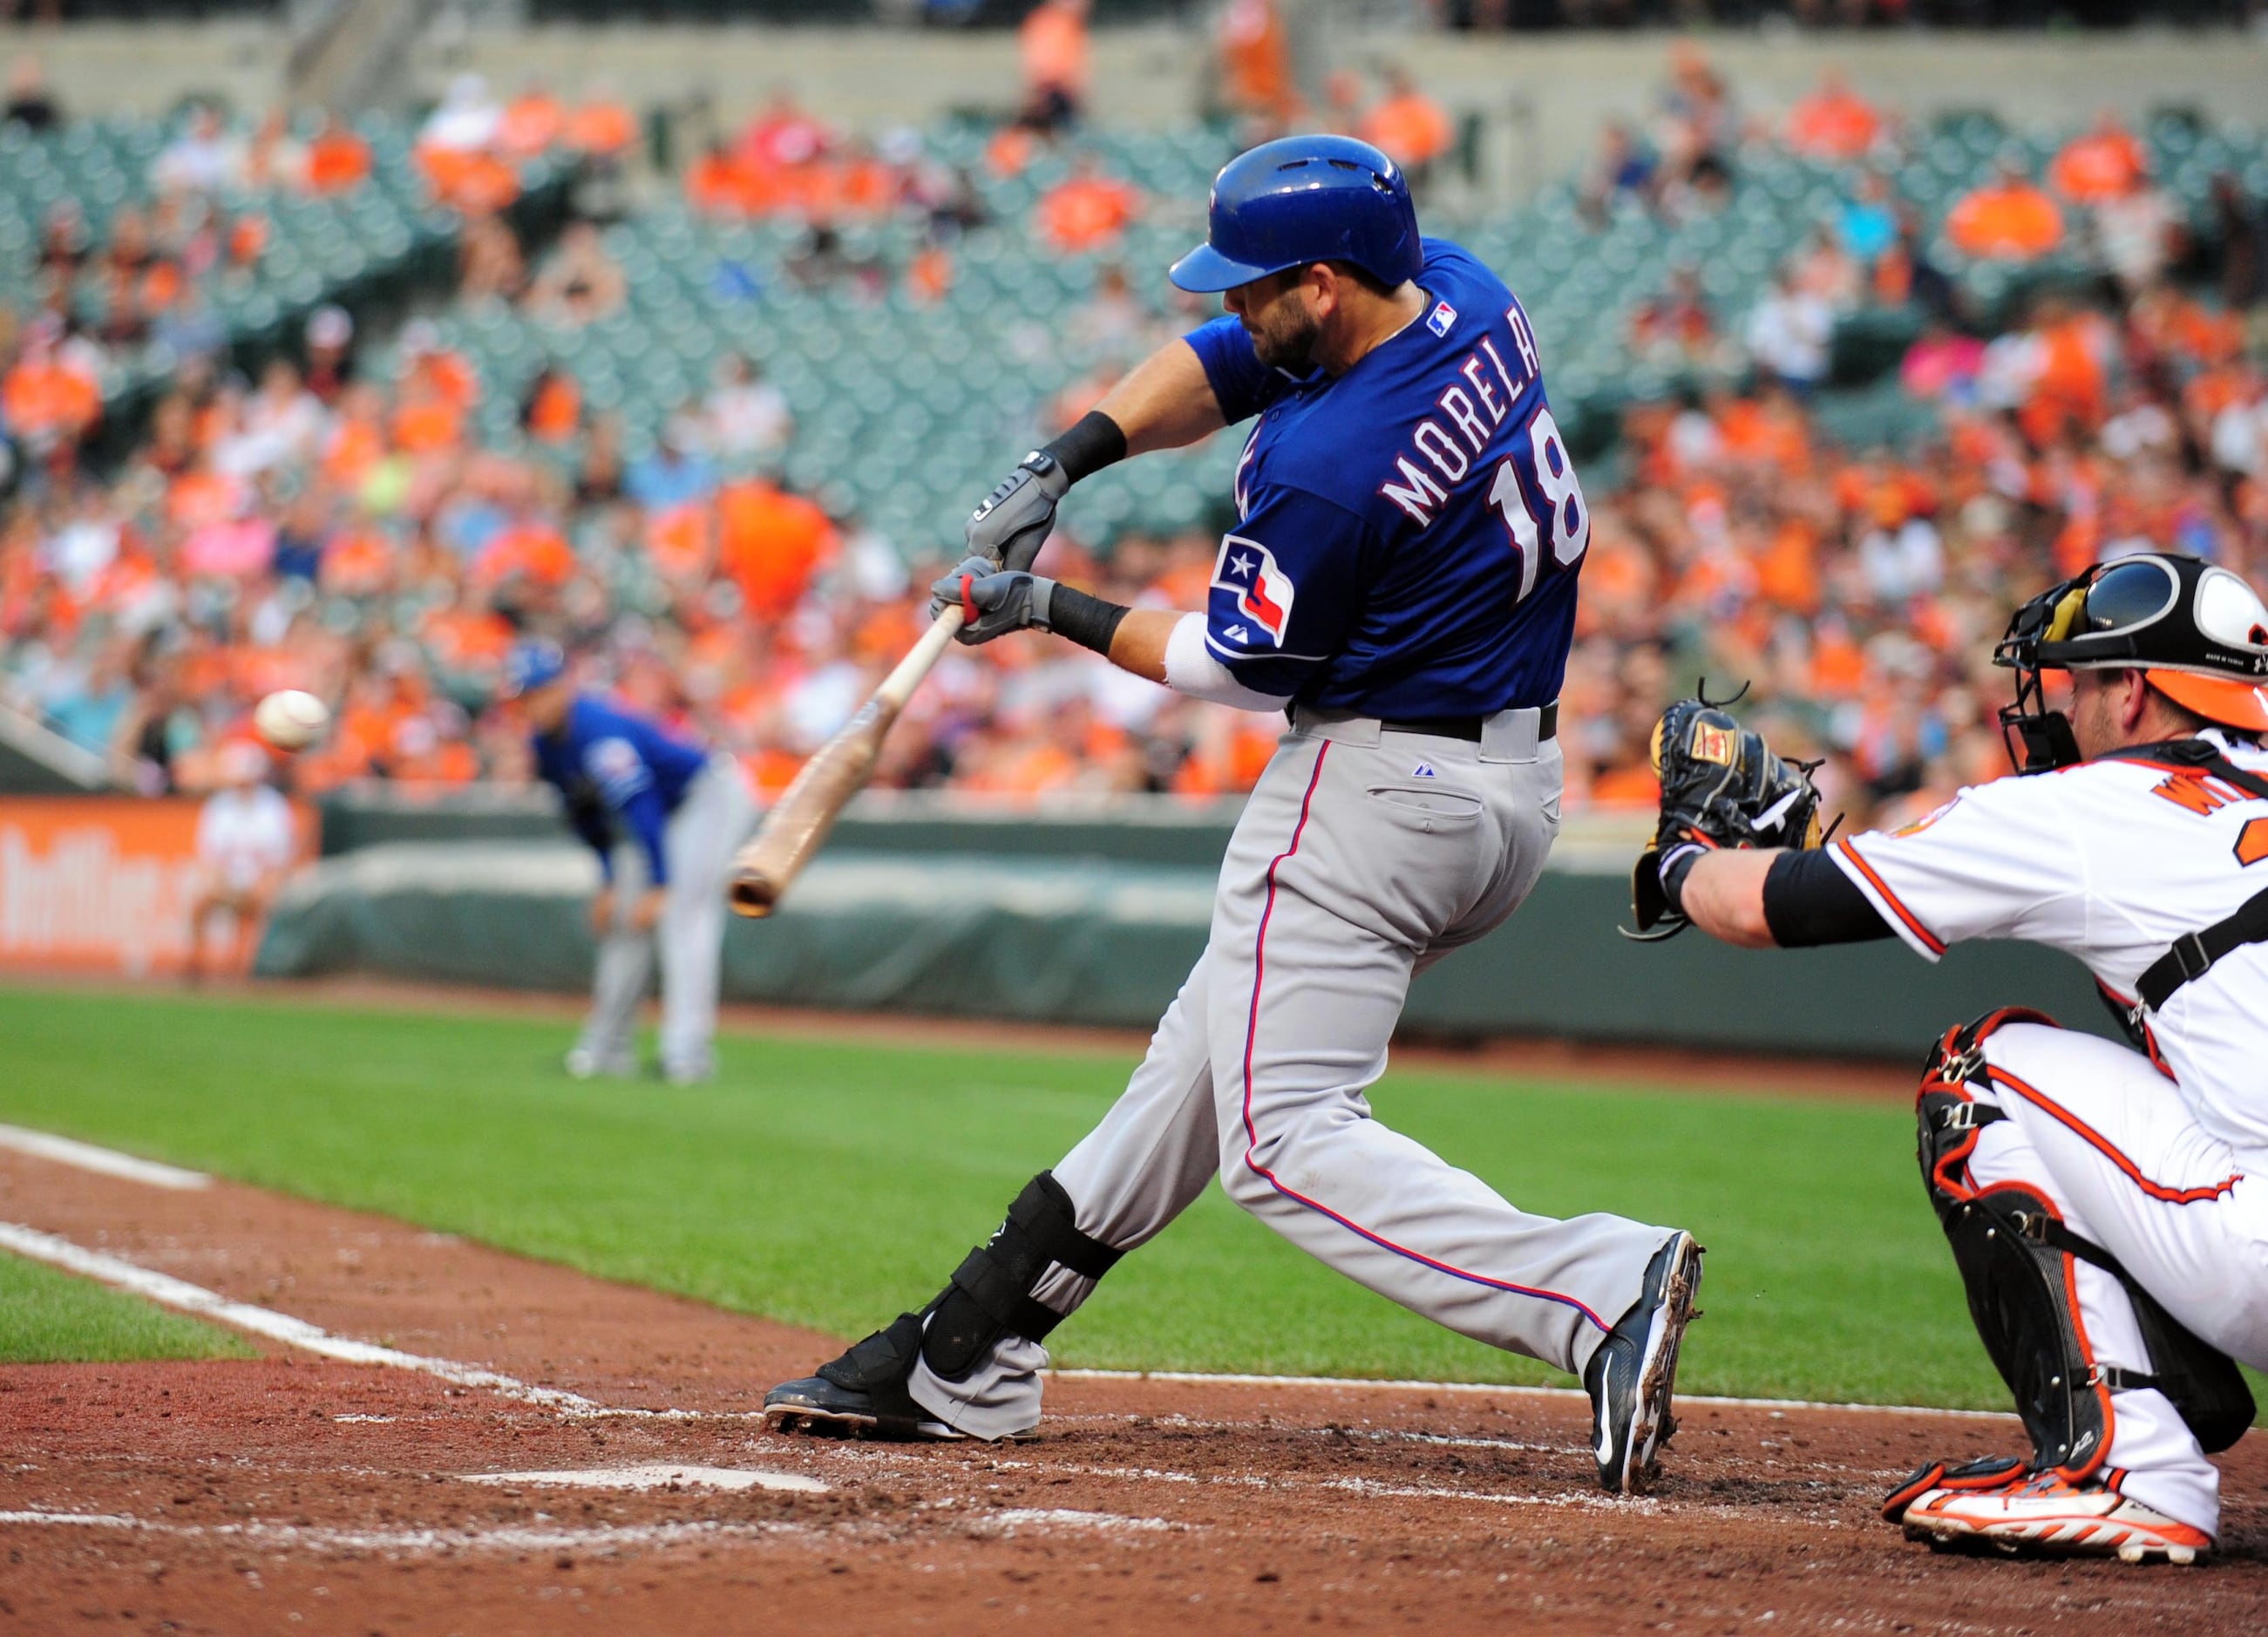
(291, 720)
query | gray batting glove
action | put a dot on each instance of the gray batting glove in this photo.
(997, 601)
(1017, 517)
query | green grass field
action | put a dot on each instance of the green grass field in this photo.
(47, 1317)
(831, 1184)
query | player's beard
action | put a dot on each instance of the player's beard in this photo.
(1284, 337)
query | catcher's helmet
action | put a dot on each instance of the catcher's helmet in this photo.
(2198, 633)
(1299, 200)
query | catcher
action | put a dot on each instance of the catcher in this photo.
(2107, 1207)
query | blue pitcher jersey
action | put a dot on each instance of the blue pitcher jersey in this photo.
(617, 770)
(1409, 533)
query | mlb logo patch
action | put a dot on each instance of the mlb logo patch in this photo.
(1442, 319)
(1263, 592)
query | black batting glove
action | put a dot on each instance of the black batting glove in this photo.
(995, 600)
(1017, 517)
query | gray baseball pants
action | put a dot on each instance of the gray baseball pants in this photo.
(1362, 857)
(708, 828)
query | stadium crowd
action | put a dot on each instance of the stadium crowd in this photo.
(345, 531)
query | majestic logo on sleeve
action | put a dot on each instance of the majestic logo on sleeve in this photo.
(1246, 570)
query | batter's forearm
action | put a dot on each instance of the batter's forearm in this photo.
(1724, 896)
(1138, 645)
(1165, 402)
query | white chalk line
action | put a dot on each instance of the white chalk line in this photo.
(654, 1476)
(108, 1162)
(284, 1537)
(1214, 1378)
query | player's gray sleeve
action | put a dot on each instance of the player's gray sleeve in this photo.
(1191, 669)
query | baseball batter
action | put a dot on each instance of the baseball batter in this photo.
(664, 817)
(1402, 581)
(2107, 1207)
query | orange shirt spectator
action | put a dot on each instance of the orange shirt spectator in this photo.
(1255, 59)
(555, 411)
(929, 275)
(770, 542)
(602, 128)
(2009, 217)
(1834, 122)
(1407, 126)
(530, 549)
(2104, 164)
(46, 398)
(1053, 45)
(470, 181)
(532, 123)
(1087, 211)
(427, 424)
(337, 159)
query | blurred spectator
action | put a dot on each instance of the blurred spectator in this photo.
(338, 159)
(1053, 45)
(1255, 48)
(2137, 232)
(2105, 163)
(489, 266)
(204, 159)
(2241, 229)
(530, 123)
(1087, 210)
(1623, 169)
(1695, 128)
(330, 360)
(468, 119)
(580, 281)
(1673, 329)
(1788, 332)
(1407, 126)
(742, 415)
(2008, 218)
(1868, 222)
(246, 841)
(30, 103)
(1833, 123)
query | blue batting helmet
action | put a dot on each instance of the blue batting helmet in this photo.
(1304, 199)
(530, 665)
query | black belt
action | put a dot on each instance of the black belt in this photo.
(1546, 725)
(2193, 954)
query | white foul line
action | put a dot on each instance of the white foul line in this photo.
(1212, 1378)
(108, 1162)
(168, 1291)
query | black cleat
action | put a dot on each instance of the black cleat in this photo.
(862, 1394)
(1630, 1375)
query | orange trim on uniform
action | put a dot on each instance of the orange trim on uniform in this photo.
(2102, 1145)
(1930, 940)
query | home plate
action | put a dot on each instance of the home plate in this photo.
(655, 1477)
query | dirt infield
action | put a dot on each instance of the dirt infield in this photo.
(297, 1493)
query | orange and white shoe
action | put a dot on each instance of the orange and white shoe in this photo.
(2048, 1515)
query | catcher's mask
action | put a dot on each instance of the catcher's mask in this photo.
(2197, 634)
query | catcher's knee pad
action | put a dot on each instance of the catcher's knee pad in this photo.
(990, 1295)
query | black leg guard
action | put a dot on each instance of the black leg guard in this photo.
(990, 1295)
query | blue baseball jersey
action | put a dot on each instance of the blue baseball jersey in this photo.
(618, 770)
(1409, 533)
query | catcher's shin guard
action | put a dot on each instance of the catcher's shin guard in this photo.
(990, 1295)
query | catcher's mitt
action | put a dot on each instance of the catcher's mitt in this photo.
(1721, 786)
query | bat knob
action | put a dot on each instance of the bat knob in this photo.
(752, 895)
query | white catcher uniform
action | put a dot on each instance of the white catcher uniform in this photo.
(2161, 1159)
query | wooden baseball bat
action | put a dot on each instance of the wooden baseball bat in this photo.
(838, 769)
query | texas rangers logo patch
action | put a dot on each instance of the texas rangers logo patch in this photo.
(1442, 319)
(1246, 570)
